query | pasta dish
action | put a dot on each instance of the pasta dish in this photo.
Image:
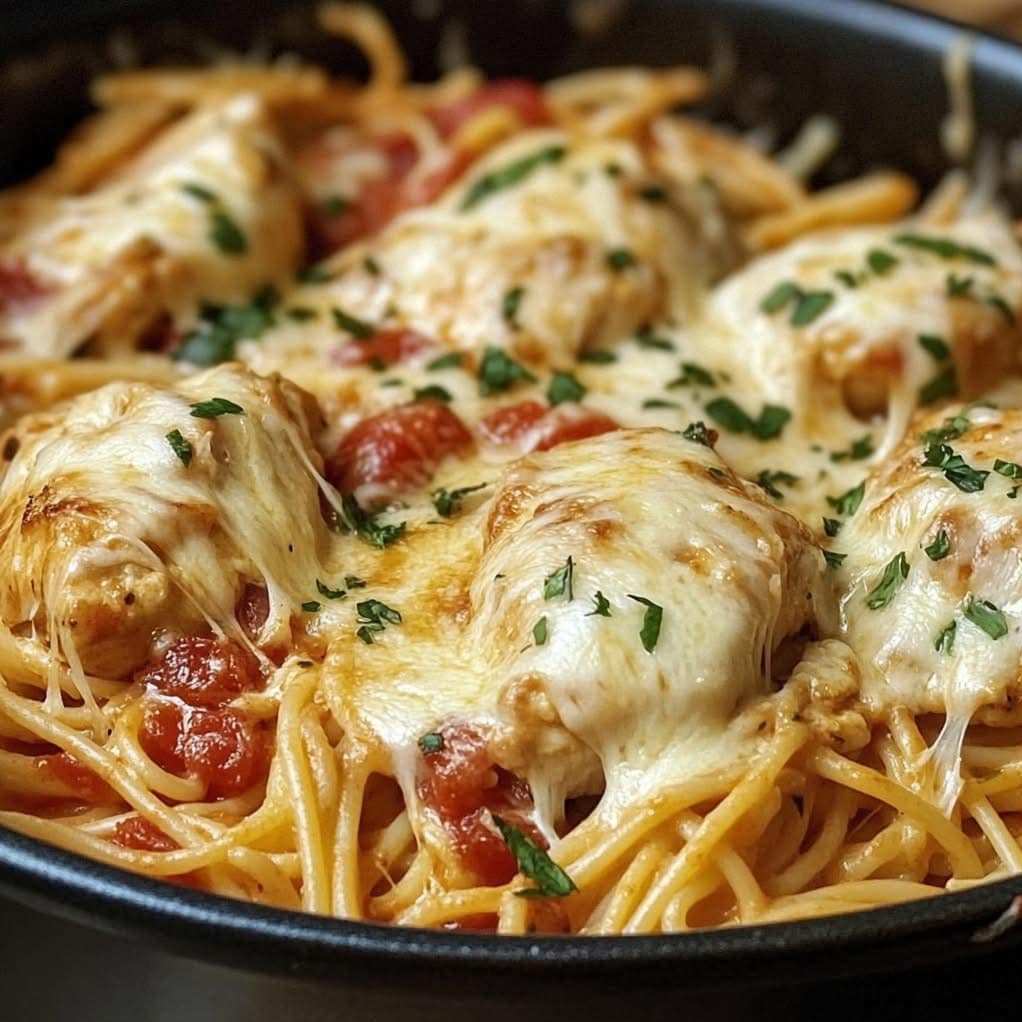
(506, 507)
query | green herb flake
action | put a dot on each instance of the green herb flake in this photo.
(560, 582)
(945, 248)
(780, 296)
(432, 392)
(498, 371)
(995, 301)
(511, 174)
(951, 429)
(860, 449)
(221, 327)
(311, 606)
(956, 470)
(601, 606)
(811, 305)
(448, 502)
(766, 426)
(940, 547)
(881, 261)
(848, 503)
(619, 259)
(533, 862)
(944, 384)
(647, 338)
(354, 582)
(331, 594)
(653, 403)
(653, 193)
(200, 192)
(834, 559)
(890, 582)
(945, 641)
(301, 313)
(510, 305)
(693, 375)
(769, 479)
(598, 356)
(431, 742)
(699, 433)
(540, 631)
(935, 346)
(225, 234)
(371, 266)
(1008, 469)
(373, 618)
(353, 518)
(984, 614)
(180, 446)
(651, 622)
(356, 327)
(452, 360)
(832, 526)
(959, 287)
(215, 407)
(313, 275)
(564, 387)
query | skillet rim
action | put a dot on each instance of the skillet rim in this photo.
(62, 883)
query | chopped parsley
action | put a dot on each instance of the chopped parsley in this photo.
(652, 403)
(331, 594)
(354, 518)
(698, 433)
(371, 266)
(807, 305)
(564, 387)
(358, 328)
(940, 547)
(987, 616)
(693, 375)
(215, 407)
(769, 479)
(220, 327)
(848, 503)
(881, 261)
(180, 446)
(598, 356)
(313, 275)
(498, 371)
(766, 426)
(373, 618)
(301, 313)
(335, 205)
(311, 606)
(955, 468)
(653, 193)
(432, 392)
(1008, 469)
(560, 582)
(849, 279)
(944, 384)
(945, 248)
(651, 622)
(951, 429)
(647, 338)
(510, 305)
(620, 259)
(861, 448)
(533, 862)
(834, 559)
(959, 287)
(780, 296)
(601, 606)
(945, 641)
(226, 234)
(200, 192)
(511, 174)
(448, 502)
(890, 582)
(540, 631)
(832, 526)
(995, 301)
(935, 346)
(354, 582)
(431, 742)
(452, 360)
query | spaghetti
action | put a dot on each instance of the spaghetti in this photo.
(504, 507)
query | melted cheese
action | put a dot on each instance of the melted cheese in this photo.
(139, 246)
(907, 505)
(109, 539)
(641, 513)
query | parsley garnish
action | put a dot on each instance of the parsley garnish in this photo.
(540, 631)
(313, 275)
(220, 327)
(301, 313)
(987, 616)
(601, 606)
(335, 205)
(653, 193)
(510, 305)
(959, 287)
(311, 606)
(945, 641)
(181, 447)
(831, 526)
(995, 301)
(564, 387)
(354, 582)
(780, 296)
(808, 305)
(449, 361)
(533, 862)
(447, 502)
(768, 480)
(331, 594)
(560, 582)
(200, 192)
(658, 402)
(890, 582)
(620, 259)
(514, 173)
(646, 338)
(951, 429)
(431, 742)
(861, 448)
(698, 433)
(848, 503)
(651, 622)
(372, 267)
(432, 392)
(946, 248)
(354, 519)
(498, 371)
(955, 468)
(881, 261)
(693, 375)
(215, 407)
(935, 346)
(598, 356)
(1008, 469)
(767, 425)
(834, 559)
(944, 384)
(356, 327)
(373, 617)
(940, 547)
(226, 234)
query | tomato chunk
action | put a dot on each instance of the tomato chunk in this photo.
(87, 786)
(523, 98)
(138, 833)
(384, 348)
(397, 450)
(20, 288)
(253, 609)
(224, 748)
(203, 671)
(532, 426)
(461, 784)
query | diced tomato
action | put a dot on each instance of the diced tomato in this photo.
(384, 348)
(253, 609)
(462, 786)
(86, 785)
(224, 748)
(20, 288)
(399, 449)
(138, 833)
(533, 427)
(203, 671)
(523, 98)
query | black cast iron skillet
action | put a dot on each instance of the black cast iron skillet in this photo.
(82, 941)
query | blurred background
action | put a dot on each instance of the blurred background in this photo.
(1002, 16)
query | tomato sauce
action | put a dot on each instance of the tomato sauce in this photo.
(532, 426)
(523, 98)
(385, 348)
(86, 785)
(20, 288)
(203, 671)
